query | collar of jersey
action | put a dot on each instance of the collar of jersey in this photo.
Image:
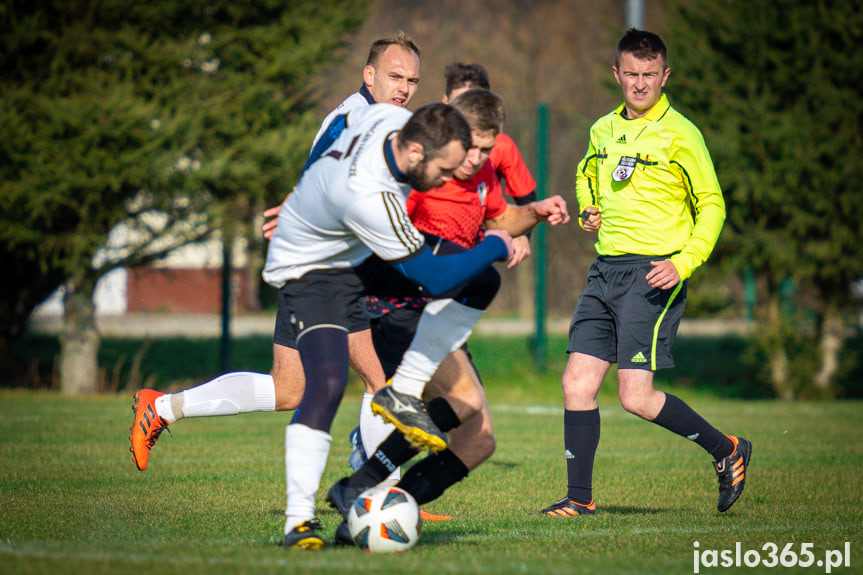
(654, 114)
(390, 158)
(364, 92)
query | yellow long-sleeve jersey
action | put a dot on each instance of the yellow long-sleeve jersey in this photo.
(654, 183)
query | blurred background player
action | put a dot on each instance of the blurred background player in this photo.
(451, 218)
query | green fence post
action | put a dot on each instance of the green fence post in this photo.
(540, 336)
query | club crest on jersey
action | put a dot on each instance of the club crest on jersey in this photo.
(482, 190)
(624, 169)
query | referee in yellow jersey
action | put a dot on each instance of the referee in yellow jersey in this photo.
(648, 188)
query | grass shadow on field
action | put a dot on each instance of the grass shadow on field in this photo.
(632, 510)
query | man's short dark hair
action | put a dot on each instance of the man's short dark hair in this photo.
(483, 109)
(398, 39)
(643, 45)
(434, 126)
(459, 75)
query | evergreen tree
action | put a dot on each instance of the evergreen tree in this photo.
(777, 88)
(167, 117)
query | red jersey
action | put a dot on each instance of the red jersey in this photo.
(456, 210)
(509, 165)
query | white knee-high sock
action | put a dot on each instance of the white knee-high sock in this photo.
(306, 451)
(228, 394)
(374, 430)
(444, 326)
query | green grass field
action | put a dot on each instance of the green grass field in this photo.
(72, 501)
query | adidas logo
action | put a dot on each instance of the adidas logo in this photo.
(622, 139)
(568, 454)
(638, 358)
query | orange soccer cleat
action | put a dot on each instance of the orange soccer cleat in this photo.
(147, 428)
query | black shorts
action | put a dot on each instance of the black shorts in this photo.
(392, 334)
(622, 319)
(331, 298)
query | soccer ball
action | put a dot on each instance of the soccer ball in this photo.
(384, 519)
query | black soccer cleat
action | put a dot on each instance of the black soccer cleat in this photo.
(731, 472)
(567, 507)
(341, 497)
(304, 536)
(342, 537)
(410, 417)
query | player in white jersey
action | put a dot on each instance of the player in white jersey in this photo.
(391, 75)
(348, 205)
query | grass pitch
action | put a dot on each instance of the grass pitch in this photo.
(212, 498)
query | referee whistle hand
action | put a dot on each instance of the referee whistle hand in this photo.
(591, 219)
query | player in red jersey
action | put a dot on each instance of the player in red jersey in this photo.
(452, 218)
(505, 157)
(506, 162)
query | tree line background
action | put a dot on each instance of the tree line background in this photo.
(186, 119)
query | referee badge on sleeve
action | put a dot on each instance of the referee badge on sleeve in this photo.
(624, 169)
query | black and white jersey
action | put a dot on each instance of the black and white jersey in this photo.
(348, 204)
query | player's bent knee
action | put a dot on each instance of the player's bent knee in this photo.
(289, 390)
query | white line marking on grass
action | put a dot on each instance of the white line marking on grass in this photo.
(547, 410)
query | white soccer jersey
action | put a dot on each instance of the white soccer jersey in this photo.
(356, 101)
(347, 205)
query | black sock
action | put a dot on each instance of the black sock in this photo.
(581, 438)
(392, 452)
(395, 449)
(428, 479)
(681, 419)
(442, 414)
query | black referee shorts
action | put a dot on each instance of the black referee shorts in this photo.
(622, 319)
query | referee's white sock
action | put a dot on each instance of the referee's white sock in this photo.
(228, 394)
(444, 326)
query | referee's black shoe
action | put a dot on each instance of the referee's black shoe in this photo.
(410, 417)
(732, 471)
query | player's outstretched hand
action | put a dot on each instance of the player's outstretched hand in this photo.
(520, 251)
(271, 220)
(503, 235)
(553, 210)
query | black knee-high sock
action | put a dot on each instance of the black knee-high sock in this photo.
(581, 438)
(428, 479)
(395, 449)
(679, 418)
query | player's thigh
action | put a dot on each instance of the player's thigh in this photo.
(364, 360)
(457, 381)
(392, 334)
